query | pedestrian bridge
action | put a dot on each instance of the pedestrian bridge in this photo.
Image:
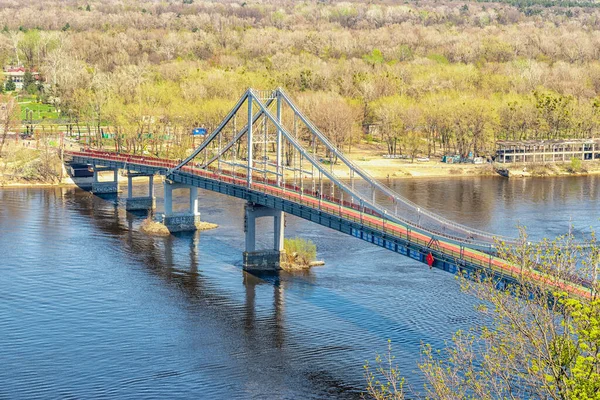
(269, 154)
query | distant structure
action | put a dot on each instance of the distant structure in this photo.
(17, 74)
(371, 128)
(542, 151)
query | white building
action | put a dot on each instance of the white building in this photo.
(17, 74)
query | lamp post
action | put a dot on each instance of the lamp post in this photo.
(28, 121)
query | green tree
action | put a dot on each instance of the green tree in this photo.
(29, 47)
(32, 88)
(542, 342)
(539, 341)
(517, 120)
(555, 112)
(374, 58)
(384, 379)
(10, 85)
(28, 79)
(437, 123)
(388, 114)
(300, 251)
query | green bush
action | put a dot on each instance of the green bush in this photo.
(10, 85)
(300, 251)
(575, 164)
(438, 58)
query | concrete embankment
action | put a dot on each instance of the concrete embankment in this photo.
(551, 169)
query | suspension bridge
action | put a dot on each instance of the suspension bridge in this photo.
(268, 153)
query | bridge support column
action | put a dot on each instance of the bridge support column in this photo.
(105, 187)
(269, 259)
(180, 221)
(140, 203)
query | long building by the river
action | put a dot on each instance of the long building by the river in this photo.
(542, 151)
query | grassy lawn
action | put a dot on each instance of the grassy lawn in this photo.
(40, 111)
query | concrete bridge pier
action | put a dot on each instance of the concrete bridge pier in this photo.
(105, 187)
(180, 221)
(140, 203)
(263, 260)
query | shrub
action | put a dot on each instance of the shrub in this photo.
(300, 251)
(575, 164)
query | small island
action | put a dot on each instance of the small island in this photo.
(301, 254)
(155, 228)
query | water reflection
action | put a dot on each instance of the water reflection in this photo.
(498, 205)
(276, 321)
(176, 317)
(161, 257)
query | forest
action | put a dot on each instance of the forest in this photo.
(419, 77)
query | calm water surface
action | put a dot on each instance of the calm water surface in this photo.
(91, 308)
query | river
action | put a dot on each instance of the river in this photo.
(92, 308)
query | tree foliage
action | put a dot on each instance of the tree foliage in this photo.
(10, 85)
(535, 340)
(466, 76)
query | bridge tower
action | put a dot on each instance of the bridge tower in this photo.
(180, 221)
(268, 259)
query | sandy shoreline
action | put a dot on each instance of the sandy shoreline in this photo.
(66, 182)
(9, 185)
(391, 169)
(381, 169)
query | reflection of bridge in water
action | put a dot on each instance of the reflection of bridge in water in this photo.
(247, 312)
(181, 269)
(279, 162)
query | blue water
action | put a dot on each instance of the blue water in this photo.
(92, 308)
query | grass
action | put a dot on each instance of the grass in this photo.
(40, 111)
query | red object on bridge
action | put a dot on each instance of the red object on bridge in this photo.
(430, 260)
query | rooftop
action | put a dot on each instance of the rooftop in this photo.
(16, 70)
(545, 142)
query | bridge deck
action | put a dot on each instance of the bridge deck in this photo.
(343, 216)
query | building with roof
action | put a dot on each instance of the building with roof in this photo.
(17, 74)
(543, 151)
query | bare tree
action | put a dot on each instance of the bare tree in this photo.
(10, 115)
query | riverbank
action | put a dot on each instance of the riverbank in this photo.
(392, 169)
(12, 181)
(22, 170)
(23, 165)
(383, 168)
(552, 169)
(371, 158)
(65, 181)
